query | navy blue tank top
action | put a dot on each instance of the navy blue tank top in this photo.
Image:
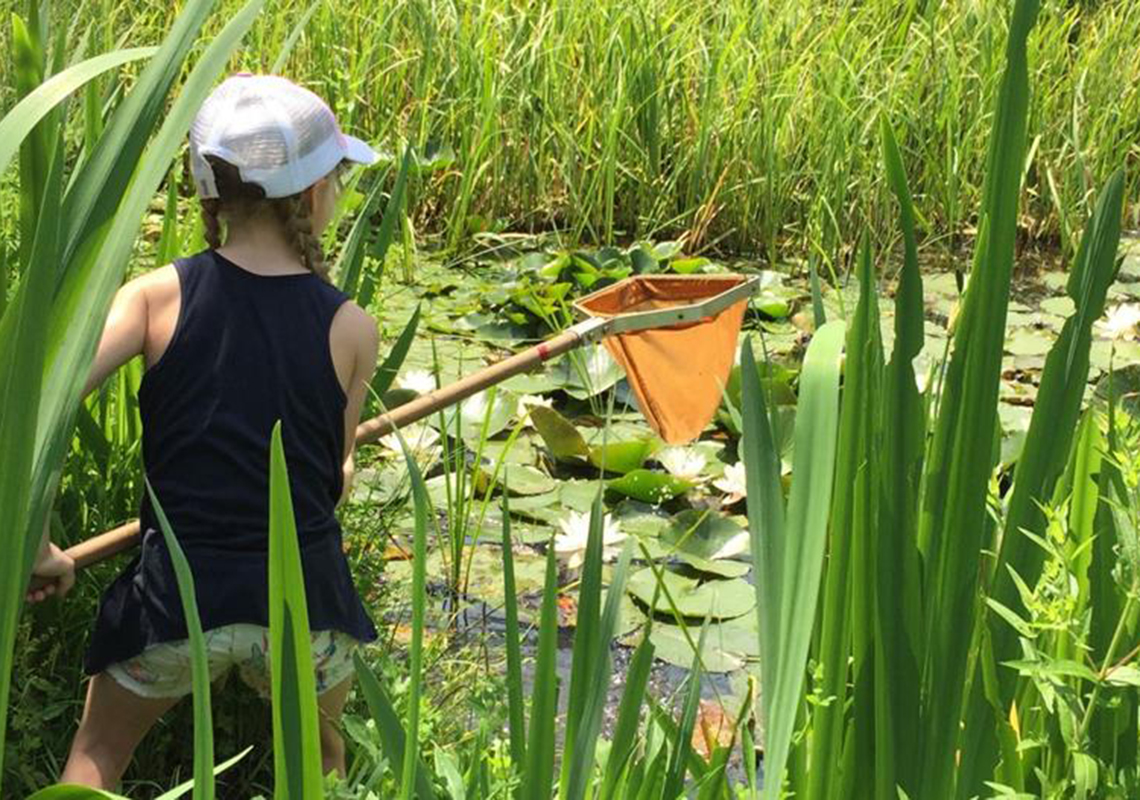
(247, 350)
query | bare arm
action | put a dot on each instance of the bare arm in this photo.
(124, 337)
(124, 334)
(355, 330)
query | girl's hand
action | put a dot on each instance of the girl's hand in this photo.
(58, 568)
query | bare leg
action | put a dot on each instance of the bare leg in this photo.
(114, 721)
(330, 705)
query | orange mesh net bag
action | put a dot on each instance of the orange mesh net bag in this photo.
(679, 372)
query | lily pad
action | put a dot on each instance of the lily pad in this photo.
(527, 480)
(641, 519)
(621, 457)
(716, 599)
(585, 373)
(1061, 306)
(687, 266)
(561, 437)
(648, 486)
(578, 495)
(721, 568)
(728, 645)
(1028, 343)
(706, 535)
(474, 412)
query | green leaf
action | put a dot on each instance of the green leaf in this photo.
(1127, 675)
(687, 266)
(199, 661)
(1047, 446)
(728, 644)
(26, 114)
(515, 710)
(296, 730)
(621, 457)
(390, 368)
(388, 724)
(705, 535)
(392, 212)
(421, 505)
(538, 772)
(955, 509)
(789, 566)
(648, 486)
(628, 718)
(715, 599)
(561, 437)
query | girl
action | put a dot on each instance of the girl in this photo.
(234, 338)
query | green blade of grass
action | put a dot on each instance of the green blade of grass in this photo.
(421, 505)
(954, 512)
(898, 610)
(788, 555)
(628, 718)
(390, 368)
(199, 663)
(351, 258)
(37, 104)
(296, 728)
(538, 773)
(682, 738)
(515, 710)
(1047, 446)
(847, 593)
(393, 211)
(21, 388)
(596, 691)
(286, 50)
(587, 648)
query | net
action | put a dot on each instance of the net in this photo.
(679, 372)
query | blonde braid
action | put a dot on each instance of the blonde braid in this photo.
(213, 225)
(295, 214)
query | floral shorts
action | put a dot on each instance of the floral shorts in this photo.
(163, 670)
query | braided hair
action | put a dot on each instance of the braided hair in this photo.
(239, 198)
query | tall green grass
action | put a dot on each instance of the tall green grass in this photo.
(746, 126)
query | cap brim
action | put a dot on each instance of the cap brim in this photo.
(359, 152)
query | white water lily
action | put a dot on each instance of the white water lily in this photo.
(529, 401)
(419, 381)
(733, 483)
(682, 462)
(1121, 322)
(576, 533)
(420, 437)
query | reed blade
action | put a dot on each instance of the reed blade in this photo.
(199, 661)
(296, 729)
(788, 553)
(954, 520)
(1042, 461)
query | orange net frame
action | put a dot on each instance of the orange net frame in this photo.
(677, 373)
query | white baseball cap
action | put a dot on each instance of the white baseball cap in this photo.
(279, 135)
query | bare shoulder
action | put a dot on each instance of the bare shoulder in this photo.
(355, 329)
(159, 286)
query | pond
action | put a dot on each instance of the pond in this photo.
(541, 437)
